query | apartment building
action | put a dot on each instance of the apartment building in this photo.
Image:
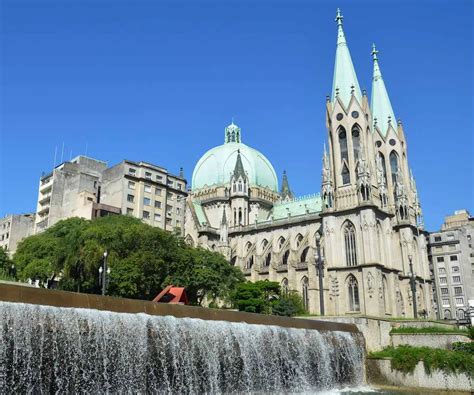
(451, 256)
(146, 191)
(85, 187)
(13, 229)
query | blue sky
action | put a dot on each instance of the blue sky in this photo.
(159, 80)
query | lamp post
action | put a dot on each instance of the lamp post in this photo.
(103, 273)
(319, 263)
(413, 286)
(13, 271)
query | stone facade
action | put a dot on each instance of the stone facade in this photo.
(452, 261)
(13, 229)
(366, 225)
(87, 188)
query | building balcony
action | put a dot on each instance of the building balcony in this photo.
(43, 211)
(45, 198)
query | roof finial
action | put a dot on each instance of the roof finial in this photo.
(339, 17)
(232, 120)
(374, 52)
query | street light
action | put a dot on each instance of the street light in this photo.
(103, 273)
(319, 263)
(413, 286)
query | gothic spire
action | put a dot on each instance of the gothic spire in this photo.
(345, 83)
(239, 167)
(285, 188)
(382, 111)
(224, 217)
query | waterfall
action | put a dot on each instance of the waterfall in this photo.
(65, 350)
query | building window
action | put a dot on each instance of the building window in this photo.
(284, 286)
(459, 301)
(146, 201)
(353, 289)
(442, 270)
(146, 215)
(158, 191)
(268, 259)
(132, 171)
(157, 204)
(147, 188)
(157, 217)
(453, 258)
(394, 166)
(286, 255)
(456, 279)
(305, 293)
(131, 185)
(170, 196)
(130, 198)
(450, 236)
(249, 263)
(178, 210)
(437, 238)
(346, 177)
(455, 269)
(442, 280)
(281, 241)
(457, 290)
(350, 244)
(343, 145)
(460, 314)
(129, 211)
(179, 186)
(445, 302)
(356, 142)
(170, 183)
(440, 259)
(444, 291)
(148, 175)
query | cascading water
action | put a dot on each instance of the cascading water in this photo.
(63, 350)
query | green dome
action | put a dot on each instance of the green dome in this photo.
(216, 166)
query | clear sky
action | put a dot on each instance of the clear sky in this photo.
(159, 80)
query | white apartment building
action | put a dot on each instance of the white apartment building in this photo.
(13, 229)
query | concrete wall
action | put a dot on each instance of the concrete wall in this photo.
(379, 372)
(441, 340)
(15, 293)
(377, 331)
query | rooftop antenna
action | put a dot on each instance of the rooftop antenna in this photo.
(62, 153)
(70, 155)
(55, 155)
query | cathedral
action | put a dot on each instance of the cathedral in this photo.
(356, 248)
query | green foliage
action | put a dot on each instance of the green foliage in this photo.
(142, 259)
(404, 358)
(6, 273)
(464, 346)
(256, 297)
(429, 329)
(265, 297)
(289, 304)
(471, 332)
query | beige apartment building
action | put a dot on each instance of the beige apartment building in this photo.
(146, 191)
(13, 229)
(452, 264)
(85, 187)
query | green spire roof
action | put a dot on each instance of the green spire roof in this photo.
(345, 79)
(382, 112)
(239, 167)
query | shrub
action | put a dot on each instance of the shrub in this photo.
(464, 346)
(404, 358)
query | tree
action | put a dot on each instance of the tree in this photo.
(265, 297)
(143, 260)
(256, 297)
(6, 271)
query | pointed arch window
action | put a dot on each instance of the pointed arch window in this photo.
(447, 314)
(248, 246)
(233, 260)
(286, 255)
(264, 244)
(356, 142)
(304, 255)
(384, 167)
(304, 292)
(281, 241)
(250, 263)
(394, 166)
(235, 217)
(299, 239)
(268, 259)
(346, 177)
(285, 286)
(350, 244)
(353, 291)
(240, 216)
(240, 186)
(343, 145)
